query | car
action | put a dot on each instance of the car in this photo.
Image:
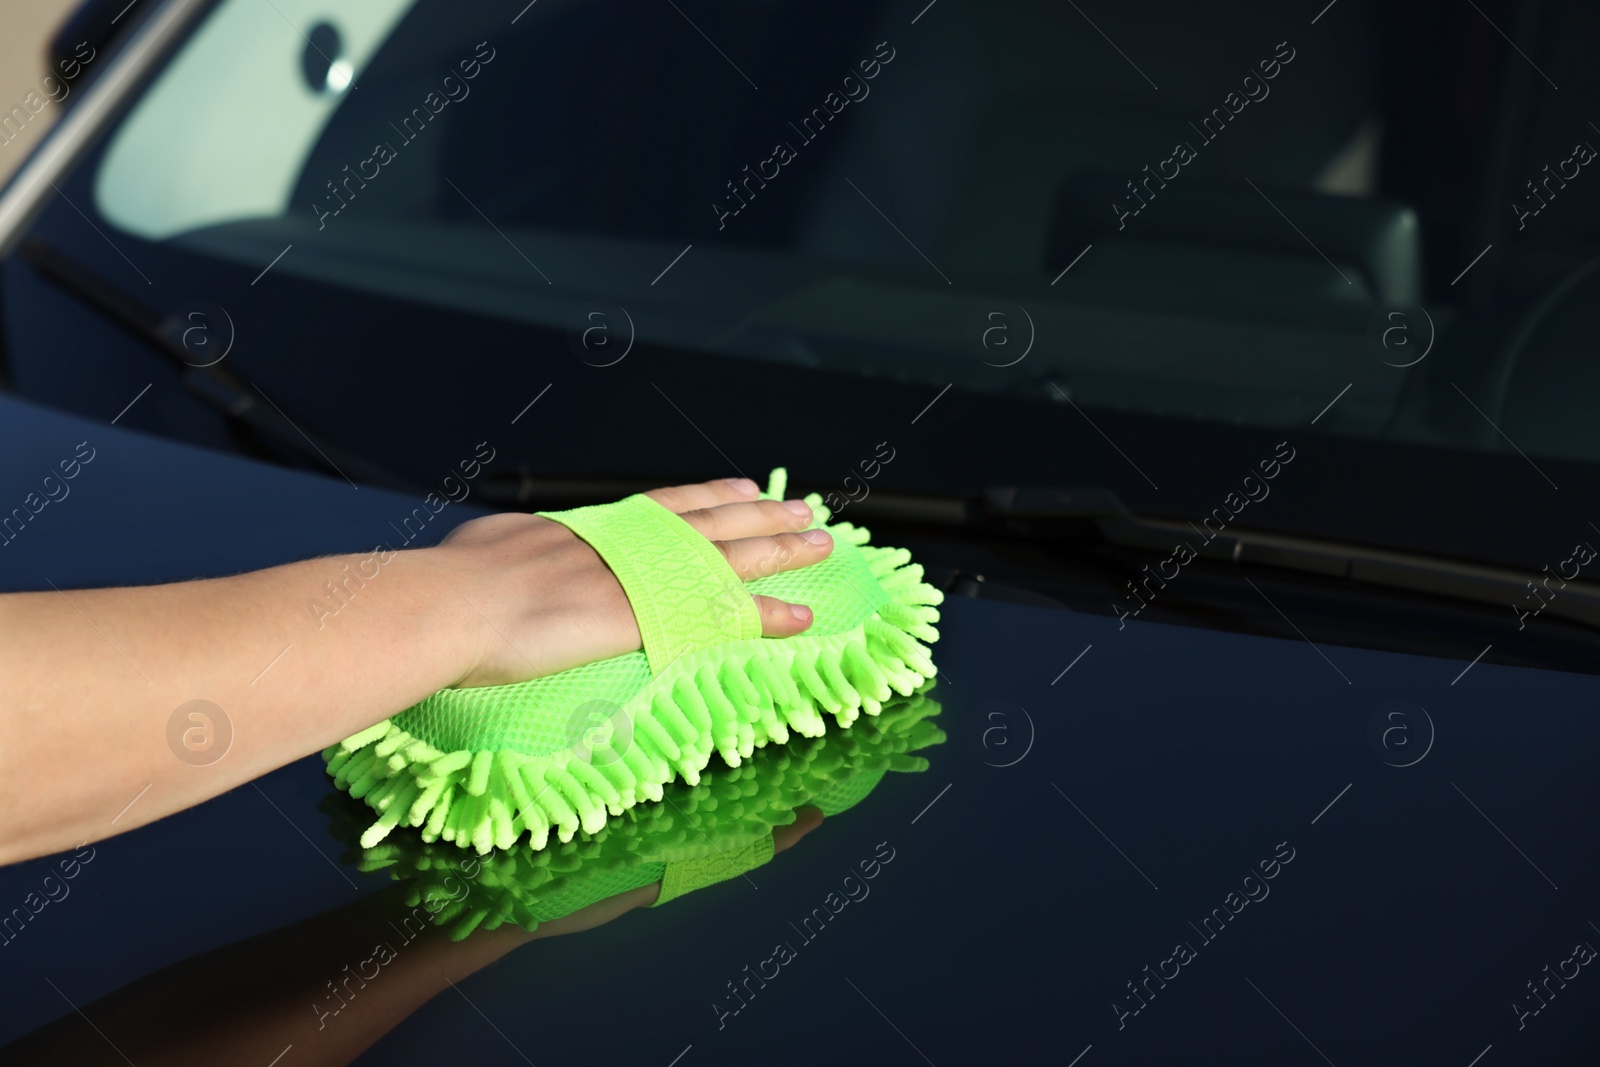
(1230, 370)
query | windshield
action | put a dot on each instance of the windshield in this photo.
(860, 199)
(1107, 243)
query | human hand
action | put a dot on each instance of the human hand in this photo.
(538, 600)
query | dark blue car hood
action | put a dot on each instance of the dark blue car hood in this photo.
(1190, 846)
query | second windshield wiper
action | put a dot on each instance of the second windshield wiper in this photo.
(218, 387)
(1068, 514)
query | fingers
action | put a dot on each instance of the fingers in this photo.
(758, 518)
(781, 619)
(758, 538)
(681, 498)
(762, 557)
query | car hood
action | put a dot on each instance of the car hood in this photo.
(1138, 845)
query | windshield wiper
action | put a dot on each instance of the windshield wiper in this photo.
(1073, 514)
(218, 387)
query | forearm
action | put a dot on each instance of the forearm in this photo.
(94, 680)
(330, 986)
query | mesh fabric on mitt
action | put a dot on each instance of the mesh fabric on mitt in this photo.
(708, 832)
(486, 766)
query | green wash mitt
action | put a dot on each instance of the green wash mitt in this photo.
(699, 835)
(484, 766)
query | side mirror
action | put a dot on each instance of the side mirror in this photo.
(88, 36)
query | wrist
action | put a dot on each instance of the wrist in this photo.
(457, 628)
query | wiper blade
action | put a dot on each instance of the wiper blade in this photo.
(1042, 512)
(216, 386)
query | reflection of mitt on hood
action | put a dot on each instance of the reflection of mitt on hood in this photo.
(488, 766)
(697, 835)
